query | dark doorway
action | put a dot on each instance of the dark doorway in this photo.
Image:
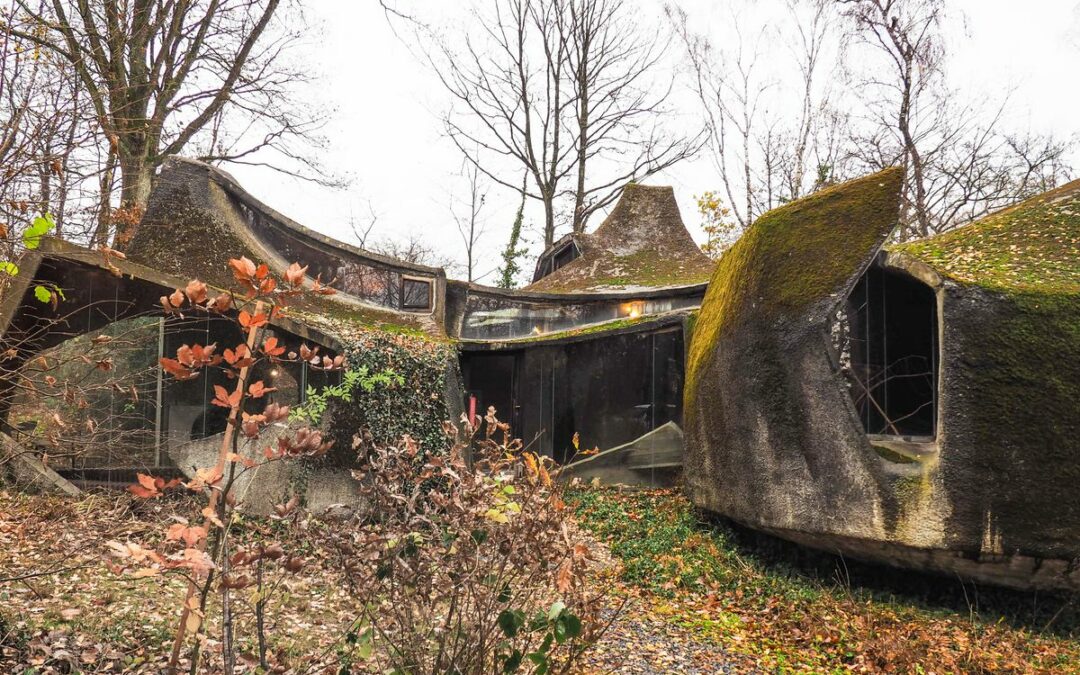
(490, 381)
(892, 348)
(607, 390)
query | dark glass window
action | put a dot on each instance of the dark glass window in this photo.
(609, 391)
(415, 294)
(889, 354)
(565, 255)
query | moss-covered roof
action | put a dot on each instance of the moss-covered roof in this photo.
(796, 255)
(641, 244)
(1033, 246)
(340, 318)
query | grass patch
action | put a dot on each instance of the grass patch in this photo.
(767, 605)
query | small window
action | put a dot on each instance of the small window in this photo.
(566, 255)
(415, 293)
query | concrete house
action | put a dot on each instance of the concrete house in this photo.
(911, 404)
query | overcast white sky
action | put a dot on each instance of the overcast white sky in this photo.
(386, 136)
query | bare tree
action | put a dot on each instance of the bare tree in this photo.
(162, 75)
(763, 157)
(611, 60)
(412, 248)
(960, 161)
(563, 89)
(907, 32)
(470, 224)
(361, 228)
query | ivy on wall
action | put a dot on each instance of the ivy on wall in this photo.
(414, 401)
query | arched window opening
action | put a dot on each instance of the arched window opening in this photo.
(888, 343)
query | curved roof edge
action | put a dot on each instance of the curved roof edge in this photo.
(198, 218)
(1032, 246)
(227, 181)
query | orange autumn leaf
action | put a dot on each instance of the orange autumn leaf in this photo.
(243, 269)
(295, 274)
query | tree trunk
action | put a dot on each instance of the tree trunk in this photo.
(104, 214)
(136, 179)
(549, 221)
(912, 157)
(583, 148)
(136, 176)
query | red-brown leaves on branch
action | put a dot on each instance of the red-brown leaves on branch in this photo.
(243, 270)
(295, 274)
(107, 254)
(222, 303)
(197, 356)
(241, 358)
(248, 320)
(196, 292)
(149, 487)
(305, 442)
(206, 477)
(259, 389)
(317, 287)
(224, 399)
(273, 413)
(336, 363)
(272, 349)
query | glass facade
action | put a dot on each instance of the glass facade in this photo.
(608, 390)
(127, 413)
(489, 316)
(369, 279)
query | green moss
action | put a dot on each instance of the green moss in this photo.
(1025, 371)
(606, 327)
(646, 269)
(1031, 247)
(340, 319)
(793, 256)
(891, 455)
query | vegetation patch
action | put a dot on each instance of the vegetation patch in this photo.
(415, 402)
(789, 620)
(1031, 247)
(795, 255)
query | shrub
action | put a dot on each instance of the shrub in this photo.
(467, 568)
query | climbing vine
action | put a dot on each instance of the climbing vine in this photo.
(407, 394)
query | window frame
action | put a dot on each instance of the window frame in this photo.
(429, 298)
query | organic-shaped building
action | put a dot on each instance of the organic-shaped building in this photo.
(916, 404)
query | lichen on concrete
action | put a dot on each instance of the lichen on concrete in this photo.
(642, 244)
(795, 255)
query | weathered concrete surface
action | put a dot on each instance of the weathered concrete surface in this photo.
(654, 460)
(774, 443)
(259, 489)
(27, 471)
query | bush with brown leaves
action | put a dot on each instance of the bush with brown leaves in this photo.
(467, 566)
